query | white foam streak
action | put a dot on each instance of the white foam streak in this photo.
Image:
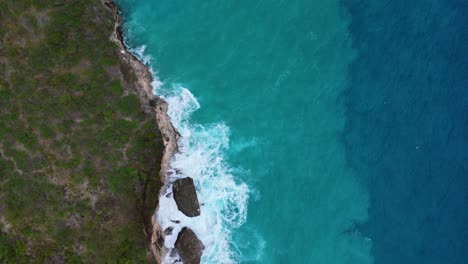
(223, 200)
(139, 52)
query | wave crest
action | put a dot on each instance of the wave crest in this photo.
(201, 156)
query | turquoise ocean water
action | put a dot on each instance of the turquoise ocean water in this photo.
(268, 97)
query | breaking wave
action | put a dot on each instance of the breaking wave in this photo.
(202, 156)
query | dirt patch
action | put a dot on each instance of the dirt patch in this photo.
(81, 67)
(5, 225)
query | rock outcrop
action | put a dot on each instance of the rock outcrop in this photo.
(189, 247)
(185, 197)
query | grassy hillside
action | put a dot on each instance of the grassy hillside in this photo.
(77, 154)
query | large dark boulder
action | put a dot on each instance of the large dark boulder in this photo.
(185, 197)
(189, 247)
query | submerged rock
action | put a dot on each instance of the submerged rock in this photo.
(189, 247)
(185, 197)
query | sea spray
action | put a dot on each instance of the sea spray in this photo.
(146, 59)
(201, 156)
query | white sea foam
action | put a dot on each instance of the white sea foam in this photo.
(223, 200)
(201, 156)
(139, 52)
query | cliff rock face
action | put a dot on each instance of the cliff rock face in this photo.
(185, 197)
(154, 106)
(189, 247)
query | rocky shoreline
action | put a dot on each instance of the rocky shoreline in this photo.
(188, 246)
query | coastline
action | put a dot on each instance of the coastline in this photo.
(155, 106)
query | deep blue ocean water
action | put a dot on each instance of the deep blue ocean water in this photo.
(407, 128)
(316, 132)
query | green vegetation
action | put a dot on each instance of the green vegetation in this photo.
(78, 157)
